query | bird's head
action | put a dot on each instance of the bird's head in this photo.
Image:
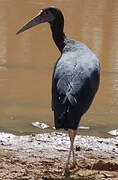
(49, 14)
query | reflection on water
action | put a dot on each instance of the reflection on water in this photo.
(27, 60)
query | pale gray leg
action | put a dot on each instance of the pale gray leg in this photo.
(72, 134)
(73, 153)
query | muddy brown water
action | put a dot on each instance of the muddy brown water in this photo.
(27, 61)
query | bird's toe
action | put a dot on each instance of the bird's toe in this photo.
(75, 164)
(65, 172)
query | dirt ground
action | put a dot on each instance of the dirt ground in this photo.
(42, 157)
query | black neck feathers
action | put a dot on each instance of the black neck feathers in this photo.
(57, 27)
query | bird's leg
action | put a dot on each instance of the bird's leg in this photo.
(72, 134)
(66, 169)
(73, 153)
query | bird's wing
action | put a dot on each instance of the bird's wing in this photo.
(72, 75)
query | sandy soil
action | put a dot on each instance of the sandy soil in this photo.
(42, 156)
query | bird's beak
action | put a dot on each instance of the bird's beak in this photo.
(33, 22)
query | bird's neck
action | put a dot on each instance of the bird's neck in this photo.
(58, 36)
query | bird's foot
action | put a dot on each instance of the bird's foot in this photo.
(65, 172)
(74, 165)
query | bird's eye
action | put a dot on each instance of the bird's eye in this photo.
(45, 14)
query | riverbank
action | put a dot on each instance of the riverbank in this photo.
(42, 156)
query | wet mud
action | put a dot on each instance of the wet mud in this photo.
(42, 156)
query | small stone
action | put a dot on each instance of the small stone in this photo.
(78, 148)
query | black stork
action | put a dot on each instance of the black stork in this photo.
(75, 78)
